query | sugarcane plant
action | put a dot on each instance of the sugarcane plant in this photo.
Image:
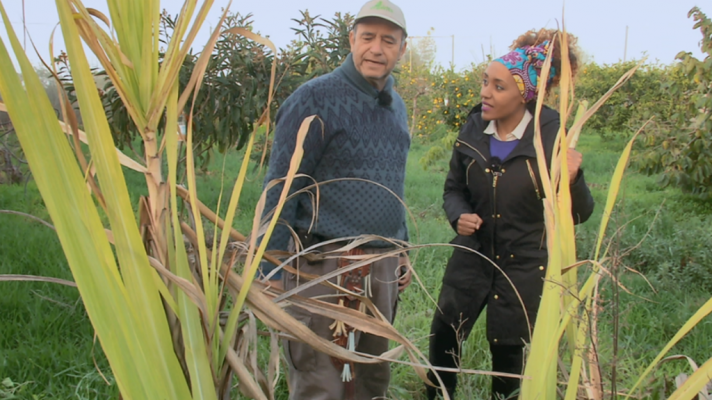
(567, 310)
(171, 324)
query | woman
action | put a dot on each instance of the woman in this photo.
(493, 201)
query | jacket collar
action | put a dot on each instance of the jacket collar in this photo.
(476, 138)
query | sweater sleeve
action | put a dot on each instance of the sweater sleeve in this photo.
(290, 116)
(404, 115)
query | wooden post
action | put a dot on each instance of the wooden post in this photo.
(24, 27)
(415, 108)
(453, 52)
(625, 49)
(410, 55)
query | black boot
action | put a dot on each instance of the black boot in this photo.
(435, 392)
(452, 323)
(443, 343)
(508, 359)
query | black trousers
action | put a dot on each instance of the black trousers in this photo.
(452, 324)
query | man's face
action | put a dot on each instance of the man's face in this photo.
(376, 47)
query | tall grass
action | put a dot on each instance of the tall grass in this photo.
(156, 311)
(567, 313)
(46, 340)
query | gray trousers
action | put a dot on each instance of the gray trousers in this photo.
(312, 375)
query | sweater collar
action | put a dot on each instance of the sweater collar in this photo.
(348, 70)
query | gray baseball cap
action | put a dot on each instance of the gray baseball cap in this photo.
(383, 9)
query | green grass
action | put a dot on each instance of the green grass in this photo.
(45, 336)
(46, 341)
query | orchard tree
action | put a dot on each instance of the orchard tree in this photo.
(681, 149)
(421, 52)
(323, 44)
(235, 85)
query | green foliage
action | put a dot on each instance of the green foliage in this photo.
(438, 102)
(236, 82)
(46, 338)
(233, 95)
(679, 147)
(421, 53)
(650, 92)
(322, 45)
(678, 97)
(440, 151)
(458, 94)
(439, 97)
(13, 166)
(638, 99)
(12, 162)
(235, 88)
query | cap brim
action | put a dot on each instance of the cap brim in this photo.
(396, 23)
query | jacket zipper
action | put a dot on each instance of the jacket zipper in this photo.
(495, 217)
(536, 185)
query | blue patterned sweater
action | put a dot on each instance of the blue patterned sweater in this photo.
(360, 139)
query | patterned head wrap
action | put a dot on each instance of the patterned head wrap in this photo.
(525, 64)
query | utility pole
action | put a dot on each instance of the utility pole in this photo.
(625, 49)
(410, 45)
(24, 27)
(492, 52)
(410, 56)
(453, 52)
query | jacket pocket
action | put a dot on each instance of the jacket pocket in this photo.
(469, 272)
(471, 241)
(467, 171)
(534, 181)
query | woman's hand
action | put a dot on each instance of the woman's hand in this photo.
(574, 159)
(467, 224)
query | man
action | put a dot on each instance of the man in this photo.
(364, 136)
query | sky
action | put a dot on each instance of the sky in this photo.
(656, 28)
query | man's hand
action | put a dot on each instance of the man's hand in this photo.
(405, 271)
(574, 159)
(467, 224)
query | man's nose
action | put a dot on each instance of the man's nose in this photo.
(377, 47)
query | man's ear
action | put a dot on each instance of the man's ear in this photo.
(403, 47)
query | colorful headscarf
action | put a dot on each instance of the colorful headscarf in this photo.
(525, 64)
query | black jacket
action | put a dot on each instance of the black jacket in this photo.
(507, 196)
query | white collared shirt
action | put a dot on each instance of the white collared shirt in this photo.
(516, 134)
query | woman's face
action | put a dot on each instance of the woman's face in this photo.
(500, 94)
